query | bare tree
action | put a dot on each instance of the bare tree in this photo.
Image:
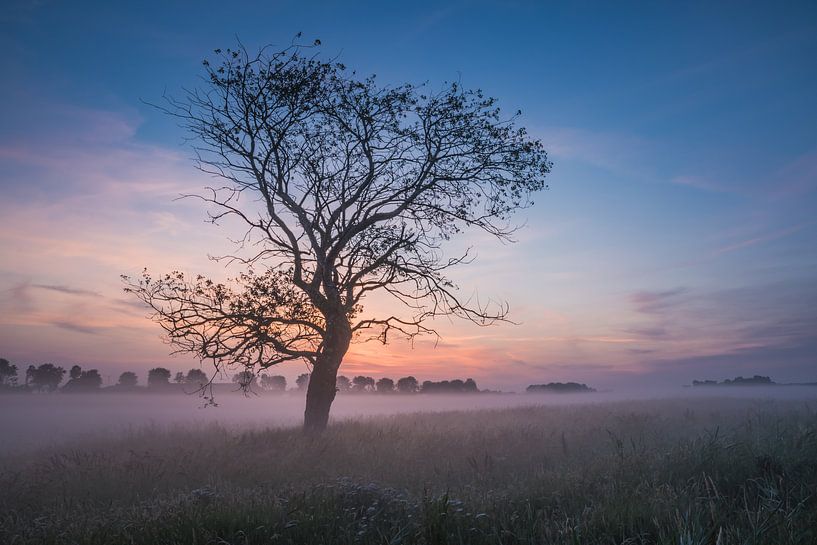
(346, 187)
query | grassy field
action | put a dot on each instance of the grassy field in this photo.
(681, 472)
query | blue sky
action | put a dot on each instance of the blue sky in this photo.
(677, 240)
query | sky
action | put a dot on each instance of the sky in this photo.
(677, 241)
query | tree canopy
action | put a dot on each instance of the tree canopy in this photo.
(45, 377)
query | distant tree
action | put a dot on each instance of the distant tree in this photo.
(91, 379)
(302, 381)
(278, 383)
(45, 378)
(196, 377)
(178, 378)
(246, 380)
(753, 381)
(560, 388)
(361, 384)
(8, 374)
(757, 380)
(455, 386)
(275, 383)
(158, 377)
(343, 384)
(350, 188)
(385, 386)
(83, 381)
(128, 379)
(407, 385)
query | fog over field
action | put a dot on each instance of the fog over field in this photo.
(35, 421)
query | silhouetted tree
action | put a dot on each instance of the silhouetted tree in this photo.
(45, 378)
(128, 379)
(8, 374)
(245, 379)
(559, 388)
(302, 382)
(361, 384)
(754, 381)
(276, 383)
(82, 381)
(455, 386)
(196, 377)
(90, 379)
(179, 378)
(343, 384)
(407, 385)
(158, 377)
(385, 386)
(358, 185)
(73, 379)
(757, 380)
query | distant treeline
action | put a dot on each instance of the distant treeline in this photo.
(558, 388)
(756, 380)
(47, 378)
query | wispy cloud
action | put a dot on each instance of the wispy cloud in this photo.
(656, 332)
(768, 328)
(435, 17)
(796, 178)
(783, 362)
(67, 290)
(621, 153)
(767, 237)
(78, 328)
(651, 302)
(705, 184)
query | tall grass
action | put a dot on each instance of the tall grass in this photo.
(680, 472)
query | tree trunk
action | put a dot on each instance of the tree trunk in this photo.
(321, 390)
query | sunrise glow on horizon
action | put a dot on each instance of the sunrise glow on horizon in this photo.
(677, 241)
